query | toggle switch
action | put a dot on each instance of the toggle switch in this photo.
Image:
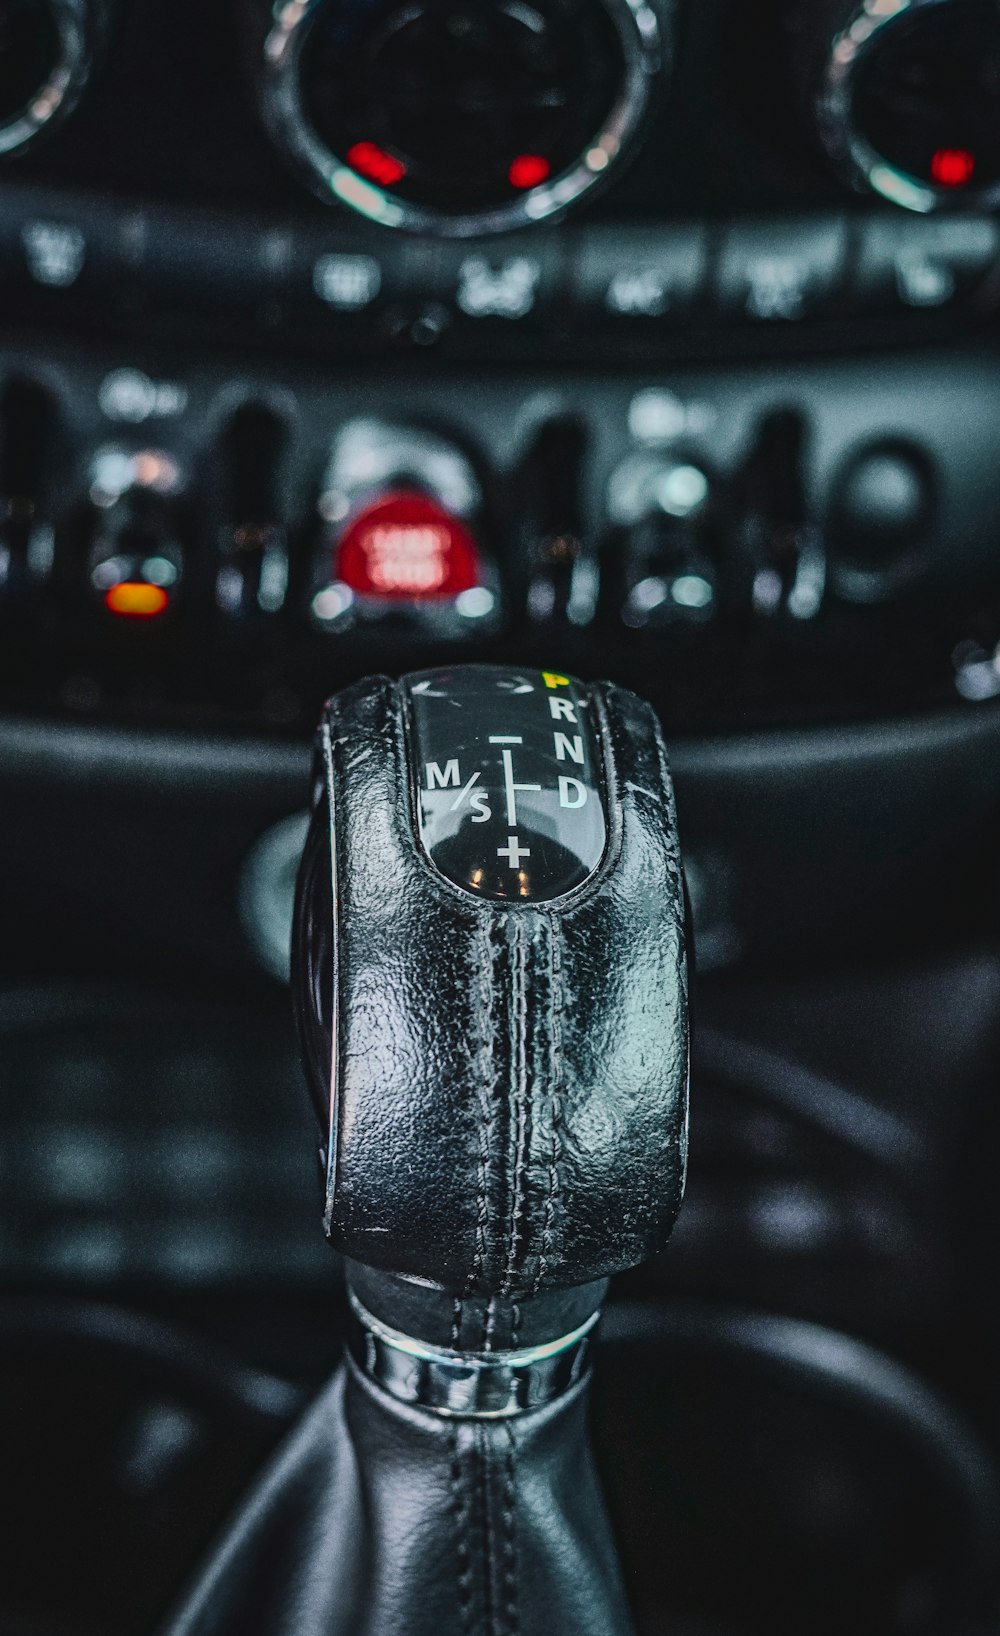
(27, 437)
(251, 578)
(402, 536)
(781, 553)
(137, 555)
(563, 574)
(663, 507)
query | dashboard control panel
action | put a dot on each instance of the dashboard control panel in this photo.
(756, 545)
(649, 384)
(681, 289)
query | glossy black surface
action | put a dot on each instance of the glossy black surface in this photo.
(508, 780)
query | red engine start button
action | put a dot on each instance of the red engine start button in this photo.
(406, 547)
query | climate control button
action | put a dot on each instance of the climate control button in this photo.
(631, 273)
(782, 271)
(924, 265)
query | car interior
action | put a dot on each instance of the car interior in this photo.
(500, 791)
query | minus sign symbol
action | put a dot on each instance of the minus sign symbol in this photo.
(506, 741)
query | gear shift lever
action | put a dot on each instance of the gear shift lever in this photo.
(491, 987)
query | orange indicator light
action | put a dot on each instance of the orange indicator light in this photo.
(134, 599)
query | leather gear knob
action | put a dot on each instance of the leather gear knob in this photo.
(491, 984)
(491, 980)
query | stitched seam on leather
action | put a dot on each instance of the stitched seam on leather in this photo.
(460, 1512)
(518, 1099)
(510, 1573)
(555, 1100)
(485, 965)
(490, 1585)
(674, 864)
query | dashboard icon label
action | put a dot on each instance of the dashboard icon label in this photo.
(55, 253)
(644, 293)
(509, 290)
(347, 283)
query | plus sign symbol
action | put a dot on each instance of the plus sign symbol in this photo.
(514, 851)
(509, 780)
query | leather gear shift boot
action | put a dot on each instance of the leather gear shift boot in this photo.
(376, 1517)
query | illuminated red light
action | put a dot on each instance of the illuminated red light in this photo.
(529, 170)
(372, 162)
(953, 167)
(407, 548)
(134, 599)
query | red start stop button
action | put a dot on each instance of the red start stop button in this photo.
(407, 547)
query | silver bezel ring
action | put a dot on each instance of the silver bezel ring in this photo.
(849, 147)
(643, 40)
(466, 1385)
(60, 92)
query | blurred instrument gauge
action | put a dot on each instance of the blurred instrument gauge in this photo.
(460, 116)
(911, 101)
(45, 56)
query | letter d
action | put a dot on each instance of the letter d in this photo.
(568, 788)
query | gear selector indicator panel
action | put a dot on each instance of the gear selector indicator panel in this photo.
(508, 780)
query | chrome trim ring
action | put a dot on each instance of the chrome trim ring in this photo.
(466, 1385)
(61, 91)
(645, 47)
(849, 147)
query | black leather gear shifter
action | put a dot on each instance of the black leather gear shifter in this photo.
(491, 984)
